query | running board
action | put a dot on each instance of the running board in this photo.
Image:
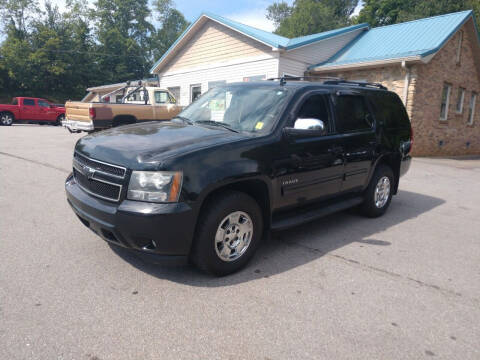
(296, 217)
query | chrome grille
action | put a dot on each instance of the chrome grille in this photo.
(100, 166)
(97, 188)
(97, 178)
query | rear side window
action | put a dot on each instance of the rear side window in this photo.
(388, 109)
(28, 102)
(352, 114)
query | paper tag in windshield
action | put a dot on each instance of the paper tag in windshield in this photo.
(259, 125)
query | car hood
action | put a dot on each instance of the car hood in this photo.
(146, 145)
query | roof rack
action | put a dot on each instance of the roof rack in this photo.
(355, 83)
(284, 79)
(329, 80)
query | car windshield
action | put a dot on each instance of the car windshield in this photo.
(239, 108)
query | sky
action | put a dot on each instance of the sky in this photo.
(250, 12)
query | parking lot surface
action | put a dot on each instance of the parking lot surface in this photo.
(404, 286)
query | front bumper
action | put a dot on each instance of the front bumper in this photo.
(76, 126)
(154, 229)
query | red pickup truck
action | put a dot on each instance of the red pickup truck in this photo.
(27, 109)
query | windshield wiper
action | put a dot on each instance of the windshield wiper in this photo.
(184, 119)
(216, 123)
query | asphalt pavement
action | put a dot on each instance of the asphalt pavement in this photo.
(404, 286)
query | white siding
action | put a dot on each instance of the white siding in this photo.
(232, 72)
(291, 67)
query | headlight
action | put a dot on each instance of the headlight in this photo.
(155, 186)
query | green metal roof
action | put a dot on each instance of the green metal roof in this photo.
(414, 38)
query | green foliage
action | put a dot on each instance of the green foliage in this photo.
(58, 55)
(386, 12)
(307, 17)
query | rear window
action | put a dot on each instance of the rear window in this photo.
(352, 114)
(388, 108)
(28, 102)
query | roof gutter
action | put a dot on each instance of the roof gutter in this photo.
(366, 64)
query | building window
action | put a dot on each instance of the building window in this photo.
(254, 78)
(471, 110)
(212, 84)
(459, 47)
(447, 88)
(175, 92)
(195, 92)
(460, 99)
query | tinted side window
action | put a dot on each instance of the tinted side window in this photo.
(28, 102)
(43, 103)
(316, 106)
(352, 114)
(389, 109)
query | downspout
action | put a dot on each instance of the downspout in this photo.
(407, 82)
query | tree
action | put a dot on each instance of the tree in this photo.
(307, 17)
(123, 33)
(172, 25)
(386, 12)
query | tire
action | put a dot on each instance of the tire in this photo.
(6, 119)
(222, 257)
(60, 118)
(377, 203)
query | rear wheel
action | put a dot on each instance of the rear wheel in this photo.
(228, 233)
(379, 192)
(6, 119)
(60, 118)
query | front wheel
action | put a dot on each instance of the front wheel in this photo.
(379, 192)
(6, 119)
(228, 233)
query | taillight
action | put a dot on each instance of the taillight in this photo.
(92, 113)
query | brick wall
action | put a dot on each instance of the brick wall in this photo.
(453, 136)
(433, 136)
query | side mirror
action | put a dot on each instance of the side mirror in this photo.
(305, 127)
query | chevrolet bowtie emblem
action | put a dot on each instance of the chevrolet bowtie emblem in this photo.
(89, 172)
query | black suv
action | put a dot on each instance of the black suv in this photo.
(240, 161)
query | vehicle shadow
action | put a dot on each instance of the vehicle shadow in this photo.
(294, 247)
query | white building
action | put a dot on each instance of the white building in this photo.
(215, 50)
